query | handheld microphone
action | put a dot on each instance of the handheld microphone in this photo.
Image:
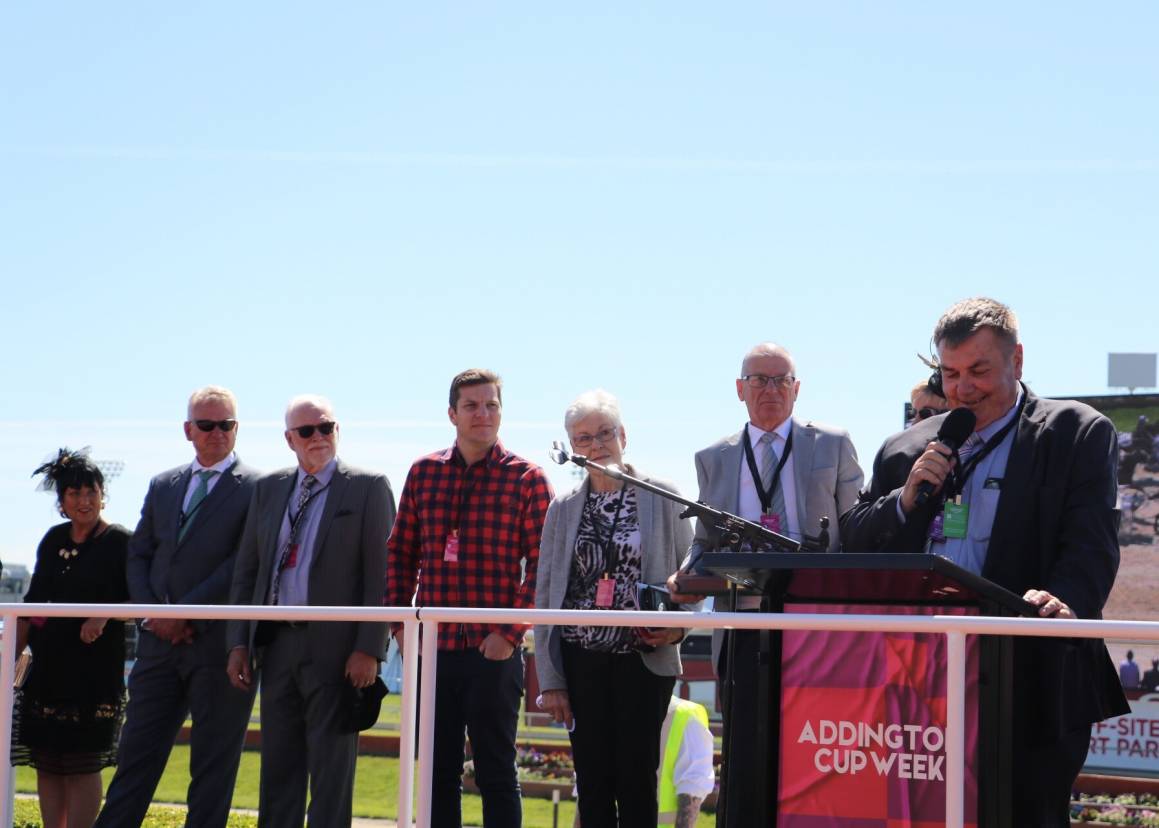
(955, 430)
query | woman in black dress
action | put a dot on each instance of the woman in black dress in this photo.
(68, 712)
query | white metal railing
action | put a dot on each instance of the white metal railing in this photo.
(954, 627)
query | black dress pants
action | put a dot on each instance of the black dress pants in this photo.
(619, 707)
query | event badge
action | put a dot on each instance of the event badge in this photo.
(771, 522)
(451, 550)
(937, 528)
(605, 589)
(956, 516)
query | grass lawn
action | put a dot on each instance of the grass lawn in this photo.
(375, 790)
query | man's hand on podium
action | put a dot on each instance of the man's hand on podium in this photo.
(1048, 605)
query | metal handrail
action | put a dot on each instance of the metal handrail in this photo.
(954, 627)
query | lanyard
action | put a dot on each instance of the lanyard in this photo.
(466, 488)
(766, 498)
(296, 522)
(960, 479)
(610, 553)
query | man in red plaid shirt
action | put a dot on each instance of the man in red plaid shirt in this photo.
(467, 535)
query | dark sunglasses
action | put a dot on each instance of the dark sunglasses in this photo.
(307, 431)
(926, 413)
(209, 425)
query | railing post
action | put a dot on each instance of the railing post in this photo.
(955, 728)
(7, 676)
(406, 741)
(430, 631)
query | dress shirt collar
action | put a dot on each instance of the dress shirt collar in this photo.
(782, 431)
(323, 475)
(221, 467)
(996, 426)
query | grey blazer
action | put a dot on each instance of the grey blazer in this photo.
(348, 566)
(826, 477)
(663, 539)
(197, 569)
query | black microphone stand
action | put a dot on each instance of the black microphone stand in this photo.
(725, 530)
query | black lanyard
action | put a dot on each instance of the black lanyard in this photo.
(766, 498)
(966, 469)
(610, 553)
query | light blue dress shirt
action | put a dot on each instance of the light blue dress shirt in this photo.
(294, 587)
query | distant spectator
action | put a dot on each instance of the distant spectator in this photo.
(925, 402)
(1151, 677)
(1129, 672)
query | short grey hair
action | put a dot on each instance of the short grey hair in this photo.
(316, 400)
(596, 401)
(768, 349)
(210, 393)
(965, 318)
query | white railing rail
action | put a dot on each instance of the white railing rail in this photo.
(954, 627)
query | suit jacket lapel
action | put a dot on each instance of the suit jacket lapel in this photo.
(802, 457)
(221, 490)
(731, 458)
(1015, 482)
(337, 490)
(573, 512)
(174, 500)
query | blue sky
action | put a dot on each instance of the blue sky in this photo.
(361, 200)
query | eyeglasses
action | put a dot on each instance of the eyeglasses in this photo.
(925, 413)
(307, 431)
(760, 381)
(209, 425)
(604, 436)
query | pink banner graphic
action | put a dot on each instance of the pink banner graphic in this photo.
(863, 718)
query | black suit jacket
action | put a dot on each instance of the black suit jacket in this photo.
(1056, 528)
(198, 568)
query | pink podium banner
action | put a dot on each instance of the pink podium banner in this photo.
(863, 718)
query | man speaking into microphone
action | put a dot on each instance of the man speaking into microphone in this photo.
(1026, 500)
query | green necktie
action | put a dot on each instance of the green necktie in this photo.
(199, 494)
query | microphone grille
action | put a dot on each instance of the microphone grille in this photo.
(957, 427)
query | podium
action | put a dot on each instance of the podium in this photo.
(853, 729)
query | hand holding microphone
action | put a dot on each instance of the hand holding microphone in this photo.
(929, 473)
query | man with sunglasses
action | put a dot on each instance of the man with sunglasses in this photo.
(785, 474)
(182, 552)
(315, 536)
(467, 535)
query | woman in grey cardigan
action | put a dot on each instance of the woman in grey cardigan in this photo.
(609, 685)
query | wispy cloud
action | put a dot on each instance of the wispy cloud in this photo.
(885, 166)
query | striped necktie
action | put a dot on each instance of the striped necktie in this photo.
(769, 468)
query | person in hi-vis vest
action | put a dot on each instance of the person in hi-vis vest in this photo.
(686, 774)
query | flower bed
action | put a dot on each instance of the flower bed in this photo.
(1124, 809)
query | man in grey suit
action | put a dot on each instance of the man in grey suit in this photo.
(787, 475)
(183, 552)
(316, 535)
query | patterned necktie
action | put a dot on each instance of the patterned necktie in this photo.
(972, 444)
(199, 494)
(289, 556)
(777, 505)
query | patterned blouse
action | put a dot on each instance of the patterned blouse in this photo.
(589, 564)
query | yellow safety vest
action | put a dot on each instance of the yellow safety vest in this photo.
(671, 738)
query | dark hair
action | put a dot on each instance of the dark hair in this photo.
(475, 376)
(965, 318)
(70, 470)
